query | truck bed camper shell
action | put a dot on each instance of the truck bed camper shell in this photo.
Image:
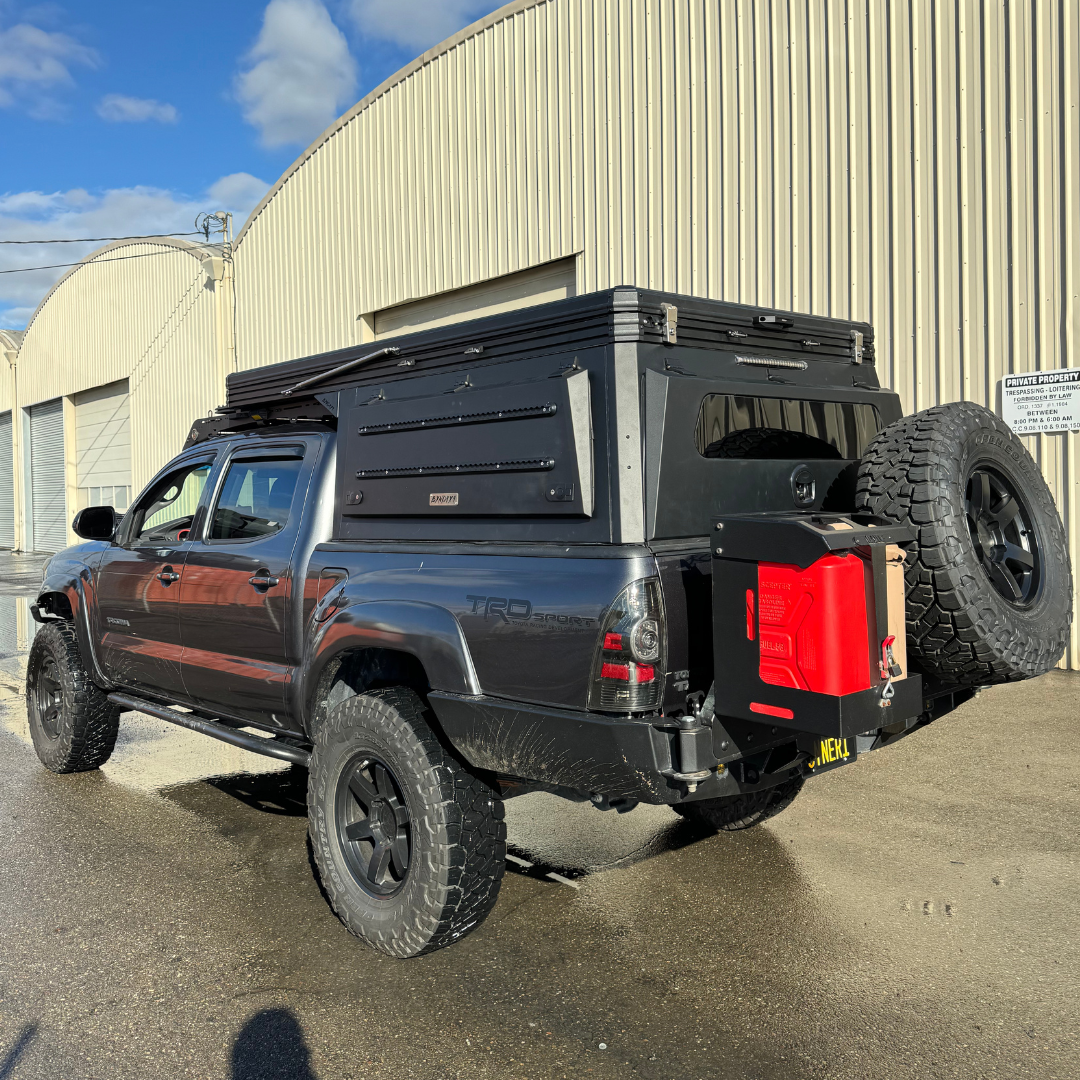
(563, 423)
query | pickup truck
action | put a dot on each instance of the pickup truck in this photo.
(623, 548)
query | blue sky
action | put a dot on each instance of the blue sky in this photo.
(121, 117)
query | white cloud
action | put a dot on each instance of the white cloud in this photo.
(35, 62)
(119, 108)
(239, 192)
(300, 76)
(417, 24)
(31, 215)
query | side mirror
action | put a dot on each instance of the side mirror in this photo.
(95, 523)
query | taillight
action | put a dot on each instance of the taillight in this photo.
(628, 671)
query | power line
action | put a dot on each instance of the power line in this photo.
(84, 262)
(105, 239)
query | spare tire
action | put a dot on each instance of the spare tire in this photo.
(989, 585)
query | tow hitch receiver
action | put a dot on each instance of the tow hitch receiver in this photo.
(808, 626)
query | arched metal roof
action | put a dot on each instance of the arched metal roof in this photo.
(198, 251)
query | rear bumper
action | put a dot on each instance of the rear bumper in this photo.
(587, 752)
(636, 758)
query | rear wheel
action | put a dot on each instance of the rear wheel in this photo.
(72, 723)
(410, 844)
(737, 812)
(989, 586)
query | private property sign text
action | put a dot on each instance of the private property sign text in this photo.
(1041, 401)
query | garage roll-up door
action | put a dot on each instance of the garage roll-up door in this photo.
(47, 486)
(103, 446)
(7, 484)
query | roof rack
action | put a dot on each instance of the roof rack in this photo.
(230, 420)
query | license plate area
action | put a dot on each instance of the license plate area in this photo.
(832, 753)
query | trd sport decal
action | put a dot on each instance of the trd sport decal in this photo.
(507, 609)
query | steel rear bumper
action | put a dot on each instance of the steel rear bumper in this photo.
(639, 758)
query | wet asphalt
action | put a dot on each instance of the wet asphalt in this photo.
(914, 914)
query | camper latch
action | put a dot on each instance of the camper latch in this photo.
(669, 325)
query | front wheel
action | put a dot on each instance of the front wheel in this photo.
(72, 723)
(410, 844)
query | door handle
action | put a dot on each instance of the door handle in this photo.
(262, 580)
(168, 576)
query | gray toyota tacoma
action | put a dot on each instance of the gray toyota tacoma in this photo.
(627, 547)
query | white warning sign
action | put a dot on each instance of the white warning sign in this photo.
(1041, 401)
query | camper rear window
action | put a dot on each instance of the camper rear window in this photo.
(730, 425)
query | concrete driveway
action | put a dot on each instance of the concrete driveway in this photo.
(912, 915)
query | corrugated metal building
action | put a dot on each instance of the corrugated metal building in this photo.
(913, 163)
(121, 355)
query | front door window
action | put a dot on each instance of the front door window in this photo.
(168, 510)
(139, 582)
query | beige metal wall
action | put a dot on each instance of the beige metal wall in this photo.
(909, 162)
(146, 312)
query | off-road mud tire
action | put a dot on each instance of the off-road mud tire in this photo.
(737, 812)
(458, 835)
(960, 627)
(81, 734)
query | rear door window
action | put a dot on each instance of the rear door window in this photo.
(256, 498)
(737, 426)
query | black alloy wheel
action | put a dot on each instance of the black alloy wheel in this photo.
(49, 696)
(410, 844)
(374, 827)
(1000, 526)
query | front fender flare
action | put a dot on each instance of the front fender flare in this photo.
(430, 633)
(75, 582)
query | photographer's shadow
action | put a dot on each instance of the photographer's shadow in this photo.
(271, 1046)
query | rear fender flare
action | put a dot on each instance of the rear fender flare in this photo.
(430, 633)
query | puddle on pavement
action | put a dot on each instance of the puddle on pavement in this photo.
(561, 835)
